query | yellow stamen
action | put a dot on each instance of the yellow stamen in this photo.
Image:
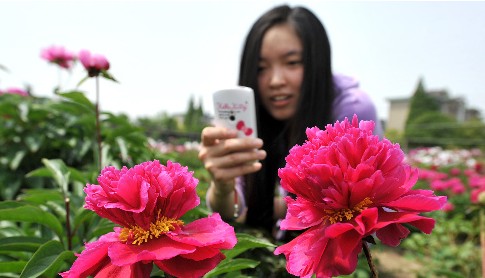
(138, 235)
(340, 215)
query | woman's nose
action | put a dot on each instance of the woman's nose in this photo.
(277, 77)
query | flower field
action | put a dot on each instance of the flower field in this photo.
(85, 192)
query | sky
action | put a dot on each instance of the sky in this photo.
(165, 52)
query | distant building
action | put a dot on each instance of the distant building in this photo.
(454, 107)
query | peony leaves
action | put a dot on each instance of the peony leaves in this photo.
(47, 260)
(245, 242)
(31, 214)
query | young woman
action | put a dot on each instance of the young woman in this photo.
(287, 62)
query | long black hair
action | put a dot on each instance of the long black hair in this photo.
(314, 108)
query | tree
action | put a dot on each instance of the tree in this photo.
(432, 129)
(194, 119)
(156, 127)
(421, 103)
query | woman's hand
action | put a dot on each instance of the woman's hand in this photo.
(226, 157)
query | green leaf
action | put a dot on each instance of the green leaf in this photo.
(246, 242)
(32, 214)
(15, 162)
(10, 204)
(81, 216)
(48, 259)
(82, 81)
(59, 172)
(230, 266)
(123, 149)
(24, 111)
(20, 243)
(34, 142)
(75, 175)
(12, 267)
(41, 196)
(107, 75)
(79, 98)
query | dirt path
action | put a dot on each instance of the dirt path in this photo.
(393, 265)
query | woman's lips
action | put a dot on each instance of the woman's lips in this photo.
(280, 100)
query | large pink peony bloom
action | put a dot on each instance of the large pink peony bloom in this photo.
(147, 201)
(348, 185)
(93, 63)
(58, 55)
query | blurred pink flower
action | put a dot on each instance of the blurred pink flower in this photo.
(14, 91)
(439, 185)
(147, 201)
(93, 63)
(58, 55)
(469, 172)
(448, 207)
(348, 185)
(457, 186)
(430, 175)
(455, 171)
(479, 167)
(477, 183)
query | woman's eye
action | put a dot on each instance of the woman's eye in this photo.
(261, 68)
(294, 62)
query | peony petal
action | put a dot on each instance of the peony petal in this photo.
(131, 194)
(300, 261)
(182, 267)
(93, 258)
(336, 261)
(389, 236)
(209, 231)
(155, 249)
(392, 234)
(85, 57)
(418, 202)
(126, 271)
(367, 221)
(315, 252)
(301, 214)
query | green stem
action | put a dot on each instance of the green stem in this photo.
(98, 127)
(368, 256)
(482, 237)
(67, 202)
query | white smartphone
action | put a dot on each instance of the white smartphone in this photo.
(235, 108)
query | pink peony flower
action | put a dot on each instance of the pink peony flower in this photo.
(58, 55)
(14, 91)
(348, 185)
(147, 201)
(93, 63)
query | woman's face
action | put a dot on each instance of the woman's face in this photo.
(280, 71)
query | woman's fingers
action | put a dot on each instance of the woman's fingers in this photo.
(234, 159)
(225, 156)
(228, 174)
(233, 145)
(234, 164)
(211, 135)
